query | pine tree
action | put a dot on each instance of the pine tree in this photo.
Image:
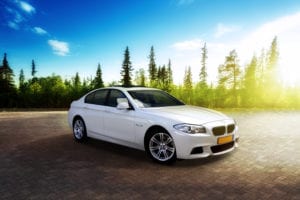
(250, 84)
(162, 78)
(126, 69)
(203, 73)
(152, 68)
(143, 78)
(272, 63)
(273, 57)
(140, 78)
(272, 86)
(7, 86)
(98, 82)
(76, 87)
(76, 81)
(33, 68)
(6, 77)
(21, 79)
(188, 85)
(169, 81)
(261, 68)
(229, 77)
(170, 73)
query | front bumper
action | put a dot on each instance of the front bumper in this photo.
(190, 146)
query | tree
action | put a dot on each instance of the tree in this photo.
(76, 81)
(140, 77)
(170, 73)
(169, 81)
(126, 69)
(229, 77)
(250, 84)
(76, 89)
(98, 82)
(22, 81)
(152, 68)
(203, 73)
(202, 92)
(273, 57)
(272, 86)
(261, 68)
(7, 86)
(162, 77)
(21, 78)
(6, 76)
(188, 85)
(33, 68)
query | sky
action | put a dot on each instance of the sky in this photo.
(65, 37)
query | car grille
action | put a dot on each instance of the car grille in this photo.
(223, 147)
(230, 128)
(221, 130)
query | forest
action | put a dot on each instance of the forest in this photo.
(255, 85)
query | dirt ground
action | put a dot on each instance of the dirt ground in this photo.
(40, 160)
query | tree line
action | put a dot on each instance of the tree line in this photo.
(254, 85)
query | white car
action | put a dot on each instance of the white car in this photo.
(152, 120)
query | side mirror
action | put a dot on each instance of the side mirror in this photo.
(122, 104)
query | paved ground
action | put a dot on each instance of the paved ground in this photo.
(40, 160)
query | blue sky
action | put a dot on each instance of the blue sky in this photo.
(65, 37)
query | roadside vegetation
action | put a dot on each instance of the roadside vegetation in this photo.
(255, 85)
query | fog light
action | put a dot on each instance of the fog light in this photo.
(197, 150)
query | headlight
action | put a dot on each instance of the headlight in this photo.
(190, 128)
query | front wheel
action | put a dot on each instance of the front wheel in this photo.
(79, 130)
(161, 147)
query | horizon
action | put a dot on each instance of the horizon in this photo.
(64, 38)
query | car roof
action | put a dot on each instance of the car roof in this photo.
(130, 88)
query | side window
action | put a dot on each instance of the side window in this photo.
(98, 97)
(113, 96)
(89, 98)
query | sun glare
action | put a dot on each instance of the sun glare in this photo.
(288, 75)
(289, 68)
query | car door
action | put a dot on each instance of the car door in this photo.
(94, 111)
(119, 124)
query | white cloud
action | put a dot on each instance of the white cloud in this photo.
(59, 47)
(39, 31)
(15, 18)
(13, 25)
(224, 29)
(188, 45)
(26, 7)
(280, 27)
(16, 14)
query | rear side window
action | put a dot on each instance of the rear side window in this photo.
(98, 97)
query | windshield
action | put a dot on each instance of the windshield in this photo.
(154, 98)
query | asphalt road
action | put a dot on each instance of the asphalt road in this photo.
(40, 160)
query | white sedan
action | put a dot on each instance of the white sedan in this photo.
(152, 120)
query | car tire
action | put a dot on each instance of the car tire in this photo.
(79, 130)
(160, 147)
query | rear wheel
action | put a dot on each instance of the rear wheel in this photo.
(79, 130)
(161, 147)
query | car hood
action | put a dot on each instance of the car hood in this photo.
(187, 114)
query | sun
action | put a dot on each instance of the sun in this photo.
(289, 69)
